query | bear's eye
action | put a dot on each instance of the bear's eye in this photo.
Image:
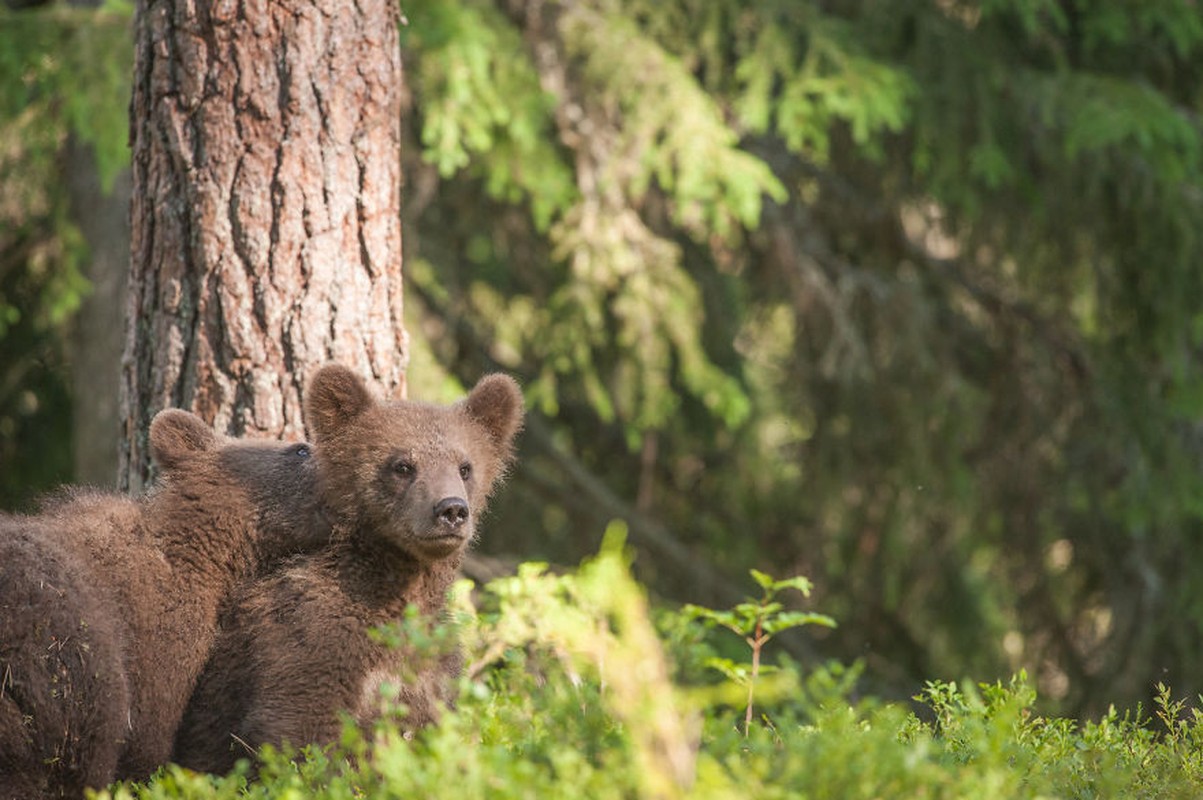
(465, 471)
(404, 468)
(301, 450)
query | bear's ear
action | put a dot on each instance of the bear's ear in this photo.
(176, 435)
(336, 396)
(496, 403)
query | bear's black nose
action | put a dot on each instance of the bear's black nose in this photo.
(451, 511)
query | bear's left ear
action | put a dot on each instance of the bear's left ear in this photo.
(496, 403)
(336, 395)
(175, 435)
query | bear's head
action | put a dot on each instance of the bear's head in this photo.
(268, 488)
(412, 474)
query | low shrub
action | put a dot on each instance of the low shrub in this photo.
(570, 690)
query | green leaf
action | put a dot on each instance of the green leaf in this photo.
(732, 670)
(800, 583)
(765, 581)
(793, 619)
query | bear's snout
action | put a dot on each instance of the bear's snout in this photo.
(451, 511)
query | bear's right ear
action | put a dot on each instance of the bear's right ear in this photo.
(175, 435)
(336, 396)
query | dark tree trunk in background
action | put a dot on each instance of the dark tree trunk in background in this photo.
(103, 219)
(102, 214)
(265, 213)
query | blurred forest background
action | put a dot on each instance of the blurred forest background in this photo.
(903, 296)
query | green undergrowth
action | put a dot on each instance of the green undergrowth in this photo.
(575, 687)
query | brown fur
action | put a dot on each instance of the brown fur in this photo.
(108, 605)
(295, 649)
(63, 693)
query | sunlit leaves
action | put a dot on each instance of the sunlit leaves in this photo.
(482, 99)
(757, 621)
(58, 65)
(490, 106)
(769, 584)
(571, 695)
(801, 86)
(766, 616)
(672, 132)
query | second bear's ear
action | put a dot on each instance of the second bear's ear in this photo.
(496, 403)
(336, 395)
(175, 435)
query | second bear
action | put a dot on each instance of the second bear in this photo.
(108, 605)
(405, 484)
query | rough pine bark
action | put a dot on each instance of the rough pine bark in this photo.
(266, 232)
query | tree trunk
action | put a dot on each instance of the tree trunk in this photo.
(103, 219)
(265, 214)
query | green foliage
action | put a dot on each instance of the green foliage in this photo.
(58, 75)
(672, 131)
(761, 618)
(906, 301)
(485, 101)
(757, 621)
(802, 95)
(570, 694)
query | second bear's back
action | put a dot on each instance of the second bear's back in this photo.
(65, 704)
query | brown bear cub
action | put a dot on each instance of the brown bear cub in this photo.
(405, 484)
(63, 691)
(109, 605)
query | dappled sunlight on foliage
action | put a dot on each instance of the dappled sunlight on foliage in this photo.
(573, 693)
(963, 334)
